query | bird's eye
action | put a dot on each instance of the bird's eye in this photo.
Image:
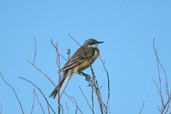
(92, 42)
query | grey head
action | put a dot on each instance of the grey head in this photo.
(92, 42)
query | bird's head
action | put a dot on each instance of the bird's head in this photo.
(92, 43)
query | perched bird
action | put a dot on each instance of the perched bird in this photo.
(80, 60)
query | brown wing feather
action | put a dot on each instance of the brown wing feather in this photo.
(79, 57)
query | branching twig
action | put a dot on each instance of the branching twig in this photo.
(57, 57)
(58, 69)
(92, 81)
(12, 88)
(93, 84)
(41, 92)
(159, 77)
(39, 102)
(36, 67)
(165, 104)
(43, 73)
(72, 99)
(97, 90)
(108, 85)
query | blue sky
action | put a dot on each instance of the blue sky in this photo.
(126, 26)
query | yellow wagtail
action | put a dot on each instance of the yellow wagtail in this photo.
(81, 60)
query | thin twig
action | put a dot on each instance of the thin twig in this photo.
(92, 90)
(165, 105)
(67, 108)
(108, 84)
(74, 39)
(72, 99)
(36, 67)
(142, 107)
(41, 92)
(86, 99)
(32, 107)
(156, 86)
(159, 77)
(12, 88)
(39, 102)
(44, 74)
(162, 68)
(62, 109)
(92, 100)
(58, 65)
(58, 69)
(97, 90)
(166, 78)
(35, 51)
(94, 85)
(57, 57)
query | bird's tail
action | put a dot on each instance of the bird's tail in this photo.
(61, 84)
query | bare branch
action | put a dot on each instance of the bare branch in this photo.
(157, 86)
(41, 92)
(44, 74)
(159, 77)
(166, 78)
(15, 93)
(32, 107)
(39, 102)
(108, 84)
(72, 99)
(35, 51)
(97, 90)
(142, 107)
(93, 83)
(57, 56)
(92, 100)
(159, 64)
(36, 67)
(165, 104)
(58, 69)
(86, 100)
(74, 39)
(67, 108)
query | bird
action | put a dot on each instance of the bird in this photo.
(79, 61)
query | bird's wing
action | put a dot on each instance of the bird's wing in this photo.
(79, 57)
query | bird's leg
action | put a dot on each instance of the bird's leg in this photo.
(87, 77)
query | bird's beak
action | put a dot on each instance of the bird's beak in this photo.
(100, 42)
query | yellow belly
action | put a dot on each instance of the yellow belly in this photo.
(86, 63)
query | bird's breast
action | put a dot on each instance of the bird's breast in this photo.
(96, 53)
(87, 62)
